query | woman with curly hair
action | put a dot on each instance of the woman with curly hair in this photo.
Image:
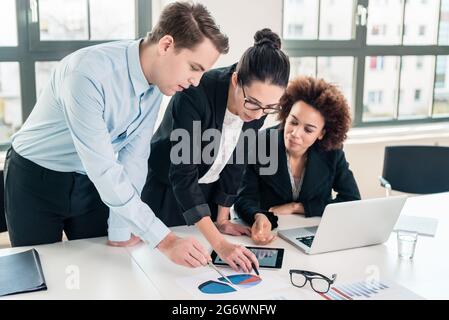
(314, 122)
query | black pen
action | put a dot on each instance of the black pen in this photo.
(255, 269)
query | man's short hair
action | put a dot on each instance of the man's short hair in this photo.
(188, 24)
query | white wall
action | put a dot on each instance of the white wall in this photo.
(239, 20)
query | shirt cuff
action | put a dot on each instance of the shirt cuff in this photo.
(197, 213)
(155, 233)
(271, 217)
(224, 199)
(119, 234)
(311, 210)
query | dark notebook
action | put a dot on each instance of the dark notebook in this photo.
(21, 272)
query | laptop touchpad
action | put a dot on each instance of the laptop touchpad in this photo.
(309, 231)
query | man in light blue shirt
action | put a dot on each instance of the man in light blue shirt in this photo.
(81, 156)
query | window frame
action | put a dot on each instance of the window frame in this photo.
(359, 49)
(30, 49)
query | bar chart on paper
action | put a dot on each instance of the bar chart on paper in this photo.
(369, 290)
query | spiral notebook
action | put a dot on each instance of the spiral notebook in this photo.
(20, 273)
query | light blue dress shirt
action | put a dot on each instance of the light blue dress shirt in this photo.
(96, 116)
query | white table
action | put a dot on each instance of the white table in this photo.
(142, 273)
(426, 275)
(88, 269)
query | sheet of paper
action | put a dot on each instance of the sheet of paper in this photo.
(423, 225)
(372, 290)
(292, 293)
(250, 287)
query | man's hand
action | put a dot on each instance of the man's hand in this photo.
(261, 230)
(288, 208)
(187, 252)
(233, 229)
(131, 242)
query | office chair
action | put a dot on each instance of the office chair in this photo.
(3, 148)
(416, 169)
(3, 227)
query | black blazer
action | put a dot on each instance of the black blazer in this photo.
(206, 103)
(324, 171)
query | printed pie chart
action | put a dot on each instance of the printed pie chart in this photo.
(221, 286)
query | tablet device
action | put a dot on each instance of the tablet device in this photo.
(268, 257)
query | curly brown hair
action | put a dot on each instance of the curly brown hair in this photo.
(328, 100)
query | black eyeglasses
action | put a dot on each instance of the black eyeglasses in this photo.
(253, 105)
(318, 282)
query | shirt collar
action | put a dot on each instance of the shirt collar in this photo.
(138, 80)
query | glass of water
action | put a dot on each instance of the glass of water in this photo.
(406, 244)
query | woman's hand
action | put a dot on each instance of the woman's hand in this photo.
(261, 230)
(237, 256)
(233, 229)
(288, 208)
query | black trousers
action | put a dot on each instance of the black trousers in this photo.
(40, 204)
(161, 199)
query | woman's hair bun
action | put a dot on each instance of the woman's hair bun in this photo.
(267, 37)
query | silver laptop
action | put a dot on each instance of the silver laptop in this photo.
(348, 225)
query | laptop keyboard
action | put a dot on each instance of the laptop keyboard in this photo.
(306, 240)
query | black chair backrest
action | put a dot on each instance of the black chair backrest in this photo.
(417, 169)
(2, 205)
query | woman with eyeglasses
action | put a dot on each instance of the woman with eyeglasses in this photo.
(314, 121)
(188, 183)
